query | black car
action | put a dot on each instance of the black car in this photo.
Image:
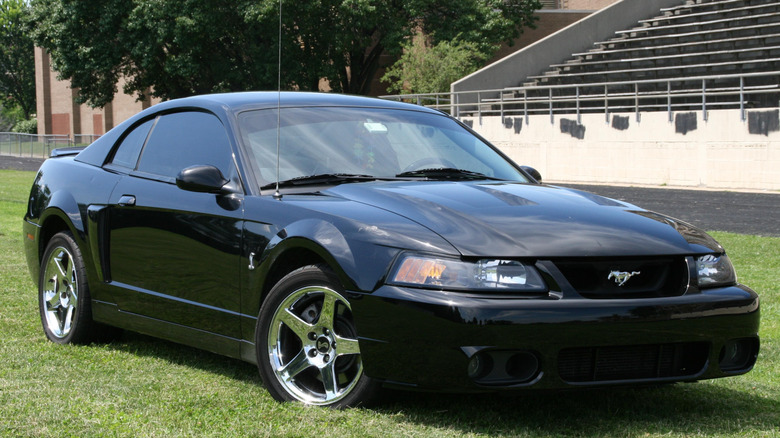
(346, 243)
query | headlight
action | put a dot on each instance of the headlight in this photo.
(485, 275)
(715, 270)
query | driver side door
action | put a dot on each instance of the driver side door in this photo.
(174, 254)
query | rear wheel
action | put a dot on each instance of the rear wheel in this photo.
(307, 345)
(63, 293)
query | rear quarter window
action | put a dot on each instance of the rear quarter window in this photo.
(128, 151)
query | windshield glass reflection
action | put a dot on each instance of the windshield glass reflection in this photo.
(363, 141)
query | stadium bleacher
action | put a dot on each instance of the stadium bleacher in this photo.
(696, 39)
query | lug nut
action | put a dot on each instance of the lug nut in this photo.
(312, 336)
(326, 358)
(313, 352)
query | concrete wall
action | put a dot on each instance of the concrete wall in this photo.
(722, 152)
(549, 21)
(512, 70)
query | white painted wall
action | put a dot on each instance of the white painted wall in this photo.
(720, 153)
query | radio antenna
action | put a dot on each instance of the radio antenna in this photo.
(277, 194)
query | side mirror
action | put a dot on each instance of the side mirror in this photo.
(201, 178)
(533, 172)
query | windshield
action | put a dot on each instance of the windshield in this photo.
(380, 143)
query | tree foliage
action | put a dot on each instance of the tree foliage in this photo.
(28, 126)
(17, 57)
(9, 116)
(175, 48)
(424, 68)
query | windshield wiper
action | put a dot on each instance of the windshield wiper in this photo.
(320, 179)
(445, 173)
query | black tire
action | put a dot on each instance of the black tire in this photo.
(300, 348)
(63, 293)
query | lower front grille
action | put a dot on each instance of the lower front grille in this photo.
(635, 362)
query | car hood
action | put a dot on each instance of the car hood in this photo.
(505, 219)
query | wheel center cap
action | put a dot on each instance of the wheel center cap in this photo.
(323, 345)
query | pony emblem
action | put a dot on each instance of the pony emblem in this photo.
(621, 277)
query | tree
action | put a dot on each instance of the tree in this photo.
(431, 69)
(17, 58)
(182, 47)
(172, 48)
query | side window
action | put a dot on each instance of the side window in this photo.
(180, 140)
(127, 153)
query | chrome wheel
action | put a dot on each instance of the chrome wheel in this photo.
(63, 294)
(312, 346)
(60, 292)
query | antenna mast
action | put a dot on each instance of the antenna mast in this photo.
(277, 195)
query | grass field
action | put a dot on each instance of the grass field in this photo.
(140, 386)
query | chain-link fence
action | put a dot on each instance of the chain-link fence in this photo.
(39, 146)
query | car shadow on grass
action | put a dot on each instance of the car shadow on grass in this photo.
(701, 408)
(178, 354)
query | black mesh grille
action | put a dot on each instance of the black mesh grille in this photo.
(601, 364)
(649, 278)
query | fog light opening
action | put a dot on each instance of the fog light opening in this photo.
(503, 367)
(480, 365)
(737, 354)
(522, 366)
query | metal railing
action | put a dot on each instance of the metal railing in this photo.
(84, 139)
(39, 146)
(692, 93)
(554, 4)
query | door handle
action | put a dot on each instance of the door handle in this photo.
(127, 201)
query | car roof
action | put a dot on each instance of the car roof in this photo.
(225, 103)
(286, 99)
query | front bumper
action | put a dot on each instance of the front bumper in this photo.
(428, 339)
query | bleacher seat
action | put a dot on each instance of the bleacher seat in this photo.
(696, 38)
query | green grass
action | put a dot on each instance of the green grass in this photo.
(140, 386)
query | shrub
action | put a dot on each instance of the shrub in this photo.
(29, 126)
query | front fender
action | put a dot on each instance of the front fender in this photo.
(359, 264)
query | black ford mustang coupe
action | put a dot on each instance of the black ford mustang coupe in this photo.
(346, 243)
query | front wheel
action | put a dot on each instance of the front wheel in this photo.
(307, 347)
